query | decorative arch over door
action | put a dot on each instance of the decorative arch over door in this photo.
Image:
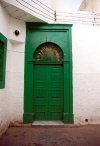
(48, 50)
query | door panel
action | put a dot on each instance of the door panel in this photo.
(48, 92)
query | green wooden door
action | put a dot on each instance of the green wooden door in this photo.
(48, 76)
(48, 97)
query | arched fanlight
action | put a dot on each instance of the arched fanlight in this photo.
(48, 52)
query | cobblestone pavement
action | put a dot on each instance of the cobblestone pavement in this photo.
(88, 135)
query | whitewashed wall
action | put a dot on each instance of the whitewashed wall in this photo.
(4, 93)
(4, 21)
(86, 73)
(15, 69)
(11, 97)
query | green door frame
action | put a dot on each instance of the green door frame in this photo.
(29, 69)
(3, 39)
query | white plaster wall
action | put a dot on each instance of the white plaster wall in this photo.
(11, 97)
(4, 93)
(86, 73)
(4, 21)
(16, 24)
(16, 85)
(16, 48)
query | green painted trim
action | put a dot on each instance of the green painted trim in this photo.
(28, 118)
(45, 26)
(48, 62)
(4, 40)
(27, 87)
(68, 117)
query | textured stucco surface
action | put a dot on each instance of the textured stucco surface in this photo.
(11, 97)
(86, 73)
(15, 69)
(4, 21)
(86, 98)
(4, 101)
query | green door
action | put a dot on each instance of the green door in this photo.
(48, 86)
(48, 73)
(48, 97)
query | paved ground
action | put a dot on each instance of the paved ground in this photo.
(52, 136)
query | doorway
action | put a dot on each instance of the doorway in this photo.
(48, 88)
(48, 73)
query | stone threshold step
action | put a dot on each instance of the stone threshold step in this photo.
(44, 123)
